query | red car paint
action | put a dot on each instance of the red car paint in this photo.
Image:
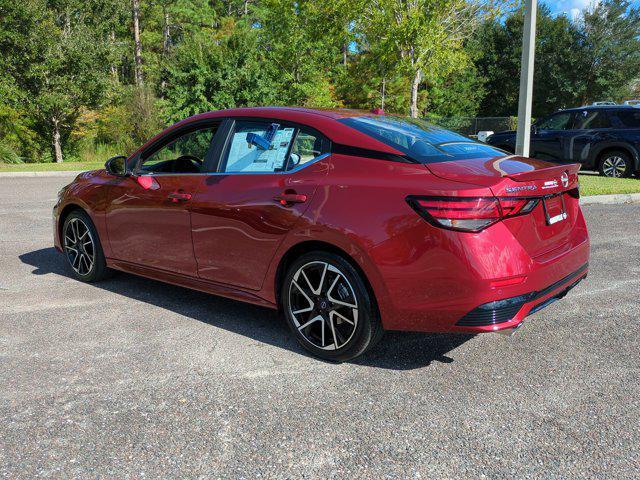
(228, 234)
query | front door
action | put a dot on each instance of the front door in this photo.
(266, 178)
(148, 218)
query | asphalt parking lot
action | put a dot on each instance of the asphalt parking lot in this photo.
(133, 378)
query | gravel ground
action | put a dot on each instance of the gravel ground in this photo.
(133, 378)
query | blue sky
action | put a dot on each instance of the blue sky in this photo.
(573, 7)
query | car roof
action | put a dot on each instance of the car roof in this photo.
(325, 121)
(335, 113)
(599, 107)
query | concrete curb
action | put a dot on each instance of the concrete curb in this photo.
(40, 174)
(616, 199)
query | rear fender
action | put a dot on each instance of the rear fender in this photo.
(608, 145)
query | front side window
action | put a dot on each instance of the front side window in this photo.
(420, 140)
(185, 154)
(559, 121)
(269, 147)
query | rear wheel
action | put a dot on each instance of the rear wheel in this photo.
(616, 164)
(329, 308)
(82, 248)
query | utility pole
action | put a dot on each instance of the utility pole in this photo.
(523, 135)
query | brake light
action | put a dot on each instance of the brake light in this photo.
(517, 206)
(469, 214)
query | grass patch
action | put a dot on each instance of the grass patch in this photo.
(50, 167)
(597, 185)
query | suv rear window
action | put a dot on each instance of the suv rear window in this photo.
(419, 140)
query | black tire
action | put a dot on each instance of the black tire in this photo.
(615, 164)
(347, 338)
(86, 261)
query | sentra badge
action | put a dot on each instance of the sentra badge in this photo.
(521, 188)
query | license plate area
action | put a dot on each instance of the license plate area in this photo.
(554, 208)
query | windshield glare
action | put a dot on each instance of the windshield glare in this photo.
(420, 140)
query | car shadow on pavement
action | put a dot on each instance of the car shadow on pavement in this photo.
(396, 351)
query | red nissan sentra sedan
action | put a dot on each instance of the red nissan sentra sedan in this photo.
(351, 223)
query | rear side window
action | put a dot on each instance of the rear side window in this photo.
(589, 119)
(626, 118)
(419, 140)
(269, 147)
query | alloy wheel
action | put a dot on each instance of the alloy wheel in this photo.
(614, 166)
(79, 246)
(323, 305)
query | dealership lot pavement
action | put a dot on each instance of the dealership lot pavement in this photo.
(133, 378)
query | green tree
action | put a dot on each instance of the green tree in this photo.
(611, 50)
(421, 40)
(576, 62)
(558, 74)
(58, 66)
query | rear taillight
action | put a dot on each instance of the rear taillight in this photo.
(469, 214)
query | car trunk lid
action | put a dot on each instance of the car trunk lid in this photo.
(547, 228)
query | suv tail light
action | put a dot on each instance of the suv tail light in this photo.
(469, 214)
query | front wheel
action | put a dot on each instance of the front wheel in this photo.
(616, 164)
(82, 248)
(329, 308)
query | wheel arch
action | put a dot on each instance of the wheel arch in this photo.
(623, 147)
(65, 212)
(306, 246)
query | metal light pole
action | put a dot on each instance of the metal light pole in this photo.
(526, 78)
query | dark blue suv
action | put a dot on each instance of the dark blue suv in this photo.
(603, 138)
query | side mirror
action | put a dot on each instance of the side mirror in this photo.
(117, 166)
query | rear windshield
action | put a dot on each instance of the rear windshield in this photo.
(420, 140)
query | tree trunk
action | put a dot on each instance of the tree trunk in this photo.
(113, 67)
(166, 42)
(57, 148)
(384, 84)
(166, 34)
(137, 44)
(417, 78)
(66, 31)
(345, 49)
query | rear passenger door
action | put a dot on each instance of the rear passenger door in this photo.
(551, 136)
(591, 126)
(267, 174)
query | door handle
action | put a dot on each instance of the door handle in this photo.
(176, 197)
(290, 198)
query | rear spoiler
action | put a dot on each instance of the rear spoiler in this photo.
(555, 171)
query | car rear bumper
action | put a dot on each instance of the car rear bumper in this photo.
(476, 283)
(510, 312)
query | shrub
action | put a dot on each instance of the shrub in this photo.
(9, 155)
